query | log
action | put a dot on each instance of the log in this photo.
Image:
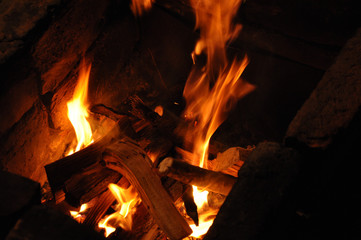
(203, 178)
(60, 171)
(83, 187)
(131, 161)
(104, 202)
(231, 160)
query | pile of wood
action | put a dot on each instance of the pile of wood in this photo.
(121, 157)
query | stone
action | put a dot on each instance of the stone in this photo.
(333, 104)
(264, 182)
(17, 19)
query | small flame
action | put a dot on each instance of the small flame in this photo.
(138, 7)
(207, 106)
(127, 199)
(78, 110)
(159, 110)
(79, 215)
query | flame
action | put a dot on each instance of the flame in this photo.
(127, 199)
(138, 7)
(79, 215)
(212, 90)
(78, 110)
(159, 110)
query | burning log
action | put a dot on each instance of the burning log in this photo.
(104, 202)
(231, 160)
(203, 178)
(83, 187)
(60, 171)
(127, 158)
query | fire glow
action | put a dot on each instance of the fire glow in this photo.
(208, 106)
(78, 110)
(127, 199)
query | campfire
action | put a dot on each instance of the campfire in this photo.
(142, 138)
(210, 92)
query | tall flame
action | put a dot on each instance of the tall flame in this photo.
(211, 91)
(127, 199)
(78, 110)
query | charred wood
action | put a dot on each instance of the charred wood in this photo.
(83, 187)
(190, 205)
(103, 203)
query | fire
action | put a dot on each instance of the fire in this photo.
(208, 106)
(78, 110)
(127, 199)
(138, 7)
(79, 215)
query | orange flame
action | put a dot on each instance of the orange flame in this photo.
(208, 106)
(127, 199)
(138, 7)
(78, 110)
(79, 215)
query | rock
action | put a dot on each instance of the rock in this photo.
(256, 199)
(31, 144)
(66, 40)
(18, 194)
(333, 104)
(44, 223)
(17, 19)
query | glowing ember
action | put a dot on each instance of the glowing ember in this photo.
(208, 106)
(78, 110)
(127, 199)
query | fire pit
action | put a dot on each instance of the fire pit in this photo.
(176, 128)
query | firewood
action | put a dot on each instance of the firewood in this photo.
(104, 202)
(60, 171)
(203, 178)
(190, 205)
(231, 160)
(131, 161)
(83, 187)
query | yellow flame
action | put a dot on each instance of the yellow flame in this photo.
(78, 215)
(78, 110)
(127, 199)
(211, 91)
